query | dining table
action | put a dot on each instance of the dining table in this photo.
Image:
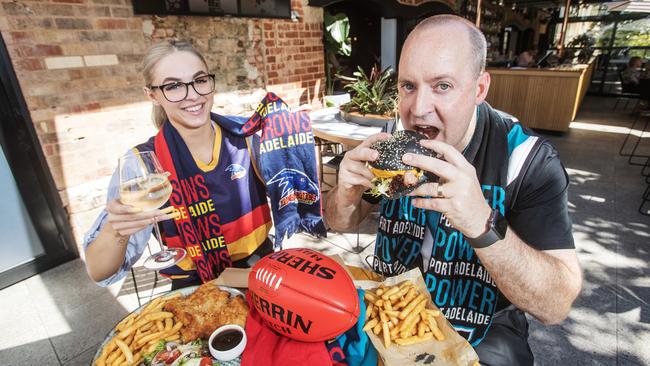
(327, 124)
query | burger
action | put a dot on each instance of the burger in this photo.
(390, 171)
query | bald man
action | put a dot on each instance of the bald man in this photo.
(493, 237)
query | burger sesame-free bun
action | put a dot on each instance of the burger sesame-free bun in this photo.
(392, 150)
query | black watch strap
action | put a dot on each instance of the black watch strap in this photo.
(496, 230)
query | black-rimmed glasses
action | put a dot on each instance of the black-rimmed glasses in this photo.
(177, 91)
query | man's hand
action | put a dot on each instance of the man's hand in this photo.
(354, 175)
(344, 207)
(508, 261)
(457, 195)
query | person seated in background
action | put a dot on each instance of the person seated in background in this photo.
(631, 75)
(525, 59)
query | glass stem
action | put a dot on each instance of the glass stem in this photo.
(158, 236)
(164, 254)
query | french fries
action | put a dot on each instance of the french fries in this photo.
(398, 314)
(139, 334)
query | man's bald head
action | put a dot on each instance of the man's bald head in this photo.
(476, 38)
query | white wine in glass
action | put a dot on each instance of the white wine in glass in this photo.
(144, 184)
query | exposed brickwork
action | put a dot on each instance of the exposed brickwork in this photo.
(88, 110)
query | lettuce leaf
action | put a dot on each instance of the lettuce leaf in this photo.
(380, 187)
(149, 357)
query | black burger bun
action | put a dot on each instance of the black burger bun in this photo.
(391, 150)
(389, 169)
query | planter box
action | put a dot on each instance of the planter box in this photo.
(372, 120)
(337, 99)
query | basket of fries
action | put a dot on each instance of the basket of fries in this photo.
(406, 327)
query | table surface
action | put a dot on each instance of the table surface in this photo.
(327, 124)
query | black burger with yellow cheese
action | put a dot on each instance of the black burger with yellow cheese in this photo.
(389, 170)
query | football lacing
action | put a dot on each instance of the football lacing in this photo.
(268, 278)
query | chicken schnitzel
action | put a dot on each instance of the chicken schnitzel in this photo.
(207, 309)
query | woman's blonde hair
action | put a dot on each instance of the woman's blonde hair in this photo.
(156, 53)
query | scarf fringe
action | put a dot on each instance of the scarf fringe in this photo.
(311, 225)
(315, 226)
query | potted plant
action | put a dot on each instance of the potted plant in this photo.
(337, 42)
(584, 44)
(374, 97)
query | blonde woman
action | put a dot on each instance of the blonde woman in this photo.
(220, 216)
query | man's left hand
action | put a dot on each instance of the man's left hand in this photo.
(457, 195)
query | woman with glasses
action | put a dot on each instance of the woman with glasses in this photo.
(217, 211)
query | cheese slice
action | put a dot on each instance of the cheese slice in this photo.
(393, 173)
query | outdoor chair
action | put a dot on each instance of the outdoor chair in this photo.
(335, 162)
(644, 117)
(153, 287)
(645, 198)
(627, 94)
(327, 148)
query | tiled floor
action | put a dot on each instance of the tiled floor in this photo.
(59, 317)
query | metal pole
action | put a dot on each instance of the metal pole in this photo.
(564, 26)
(478, 14)
(603, 80)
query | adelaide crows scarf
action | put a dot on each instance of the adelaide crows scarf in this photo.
(287, 161)
(222, 211)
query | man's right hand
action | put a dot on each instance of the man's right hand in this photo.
(354, 175)
(126, 220)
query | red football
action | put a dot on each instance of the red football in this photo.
(304, 294)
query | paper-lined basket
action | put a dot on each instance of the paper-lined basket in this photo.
(454, 350)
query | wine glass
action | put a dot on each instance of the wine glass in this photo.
(144, 184)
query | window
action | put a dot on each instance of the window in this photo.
(633, 33)
(601, 31)
(585, 10)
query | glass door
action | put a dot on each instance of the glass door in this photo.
(34, 230)
(19, 242)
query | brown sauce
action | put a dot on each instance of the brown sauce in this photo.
(227, 339)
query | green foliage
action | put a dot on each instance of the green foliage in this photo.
(371, 94)
(585, 44)
(337, 35)
(633, 33)
(337, 42)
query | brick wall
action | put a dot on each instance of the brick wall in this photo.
(77, 63)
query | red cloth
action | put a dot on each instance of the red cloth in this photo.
(266, 347)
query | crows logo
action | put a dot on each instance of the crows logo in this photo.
(296, 187)
(236, 171)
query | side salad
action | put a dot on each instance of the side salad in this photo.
(195, 353)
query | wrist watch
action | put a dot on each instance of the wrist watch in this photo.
(496, 228)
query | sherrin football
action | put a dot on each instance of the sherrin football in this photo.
(303, 294)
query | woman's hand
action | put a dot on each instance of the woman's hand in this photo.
(126, 220)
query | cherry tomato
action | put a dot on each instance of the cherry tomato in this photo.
(161, 356)
(173, 355)
(206, 361)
